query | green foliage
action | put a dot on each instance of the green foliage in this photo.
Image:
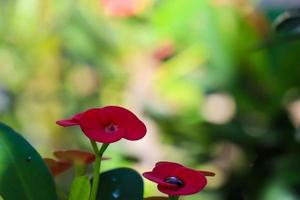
(121, 184)
(80, 189)
(23, 174)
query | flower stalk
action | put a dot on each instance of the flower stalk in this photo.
(97, 166)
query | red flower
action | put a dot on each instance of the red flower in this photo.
(108, 124)
(73, 121)
(175, 180)
(66, 159)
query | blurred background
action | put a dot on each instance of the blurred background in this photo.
(217, 83)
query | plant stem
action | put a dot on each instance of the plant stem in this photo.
(173, 197)
(97, 166)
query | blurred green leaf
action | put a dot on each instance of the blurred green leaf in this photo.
(121, 184)
(80, 189)
(171, 16)
(23, 173)
(278, 191)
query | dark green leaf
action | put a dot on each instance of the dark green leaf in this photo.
(23, 173)
(120, 184)
(288, 21)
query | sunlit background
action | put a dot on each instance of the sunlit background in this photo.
(217, 87)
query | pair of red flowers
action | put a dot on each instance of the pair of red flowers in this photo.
(112, 123)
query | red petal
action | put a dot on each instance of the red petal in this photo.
(134, 129)
(75, 156)
(207, 173)
(73, 121)
(165, 169)
(102, 136)
(152, 177)
(170, 164)
(57, 167)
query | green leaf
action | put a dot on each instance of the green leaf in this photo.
(23, 173)
(120, 184)
(156, 198)
(288, 21)
(80, 189)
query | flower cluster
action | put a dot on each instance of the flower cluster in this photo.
(110, 124)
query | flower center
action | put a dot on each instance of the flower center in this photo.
(174, 180)
(111, 128)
